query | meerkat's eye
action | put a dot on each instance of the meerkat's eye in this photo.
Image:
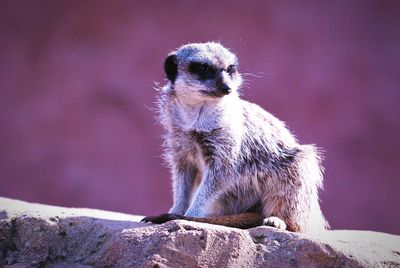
(231, 69)
(203, 70)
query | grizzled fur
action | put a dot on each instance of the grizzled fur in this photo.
(229, 156)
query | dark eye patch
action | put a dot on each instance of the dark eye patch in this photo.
(231, 69)
(203, 70)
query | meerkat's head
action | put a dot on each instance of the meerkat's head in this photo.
(202, 71)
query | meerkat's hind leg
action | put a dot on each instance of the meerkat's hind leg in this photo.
(275, 222)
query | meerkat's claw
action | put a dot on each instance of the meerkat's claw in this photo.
(163, 218)
(275, 222)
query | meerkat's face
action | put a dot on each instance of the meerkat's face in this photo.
(203, 71)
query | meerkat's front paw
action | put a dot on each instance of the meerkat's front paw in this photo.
(162, 218)
(275, 222)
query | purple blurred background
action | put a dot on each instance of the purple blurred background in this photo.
(77, 77)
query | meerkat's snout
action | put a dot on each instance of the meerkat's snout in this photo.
(221, 84)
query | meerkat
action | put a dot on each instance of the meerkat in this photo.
(232, 162)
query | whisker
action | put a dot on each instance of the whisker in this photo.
(157, 86)
(259, 75)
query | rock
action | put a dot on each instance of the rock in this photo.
(40, 235)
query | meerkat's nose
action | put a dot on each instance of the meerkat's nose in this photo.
(222, 86)
(224, 89)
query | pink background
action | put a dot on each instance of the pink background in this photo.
(76, 80)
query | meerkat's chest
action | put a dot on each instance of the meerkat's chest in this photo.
(209, 147)
(201, 122)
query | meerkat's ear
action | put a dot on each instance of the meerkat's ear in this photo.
(171, 67)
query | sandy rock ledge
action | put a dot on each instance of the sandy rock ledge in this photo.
(34, 235)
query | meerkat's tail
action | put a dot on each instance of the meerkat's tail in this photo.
(241, 221)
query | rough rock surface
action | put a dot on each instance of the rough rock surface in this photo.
(40, 235)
